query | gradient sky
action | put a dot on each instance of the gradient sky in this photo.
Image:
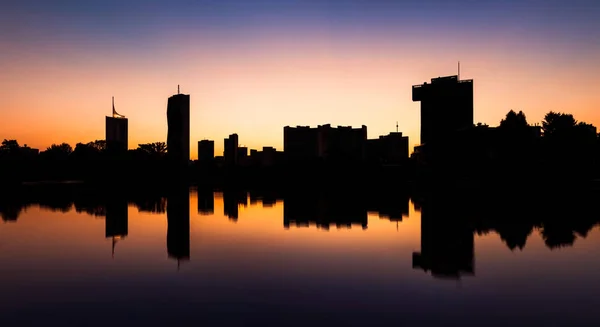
(252, 67)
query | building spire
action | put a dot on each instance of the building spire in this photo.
(114, 242)
(114, 111)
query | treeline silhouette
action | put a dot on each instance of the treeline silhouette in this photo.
(80, 197)
(561, 148)
(88, 161)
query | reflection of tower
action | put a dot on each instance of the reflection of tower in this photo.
(178, 224)
(447, 242)
(232, 199)
(206, 202)
(391, 204)
(329, 207)
(117, 221)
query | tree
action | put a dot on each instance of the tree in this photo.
(9, 147)
(570, 146)
(59, 150)
(156, 149)
(90, 149)
(98, 145)
(558, 124)
(514, 121)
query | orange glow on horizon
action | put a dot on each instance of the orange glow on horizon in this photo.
(257, 90)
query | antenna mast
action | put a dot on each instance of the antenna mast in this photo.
(459, 70)
(178, 89)
(396, 126)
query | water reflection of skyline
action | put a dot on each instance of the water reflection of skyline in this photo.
(67, 256)
(449, 223)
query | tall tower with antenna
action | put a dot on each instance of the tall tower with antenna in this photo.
(116, 131)
(446, 106)
(178, 130)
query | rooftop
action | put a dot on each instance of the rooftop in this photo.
(445, 79)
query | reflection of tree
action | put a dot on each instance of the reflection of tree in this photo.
(152, 205)
(515, 235)
(557, 234)
(559, 217)
(56, 205)
(10, 213)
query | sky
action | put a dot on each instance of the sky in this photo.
(253, 67)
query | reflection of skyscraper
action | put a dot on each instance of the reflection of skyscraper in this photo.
(389, 203)
(117, 221)
(323, 210)
(178, 133)
(232, 199)
(178, 221)
(447, 242)
(206, 202)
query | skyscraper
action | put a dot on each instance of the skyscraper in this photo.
(178, 130)
(206, 151)
(230, 151)
(116, 131)
(446, 106)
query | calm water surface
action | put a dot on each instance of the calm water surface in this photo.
(240, 258)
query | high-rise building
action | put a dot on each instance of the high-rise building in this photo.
(178, 134)
(342, 144)
(230, 151)
(116, 131)
(388, 149)
(206, 151)
(446, 106)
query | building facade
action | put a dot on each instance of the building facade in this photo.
(178, 133)
(446, 106)
(325, 143)
(389, 149)
(206, 151)
(116, 133)
(230, 150)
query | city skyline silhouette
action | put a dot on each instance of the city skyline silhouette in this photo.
(331, 62)
(300, 163)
